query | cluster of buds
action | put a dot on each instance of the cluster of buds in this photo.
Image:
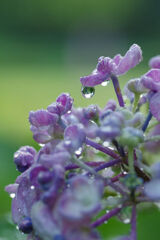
(91, 165)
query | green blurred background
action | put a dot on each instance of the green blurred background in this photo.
(45, 46)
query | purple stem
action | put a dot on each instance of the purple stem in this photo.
(116, 178)
(107, 164)
(117, 90)
(106, 217)
(91, 164)
(145, 125)
(133, 235)
(99, 147)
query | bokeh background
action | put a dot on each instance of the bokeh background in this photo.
(45, 46)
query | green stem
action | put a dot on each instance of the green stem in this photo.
(153, 138)
(131, 160)
(136, 100)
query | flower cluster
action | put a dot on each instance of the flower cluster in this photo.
(91, 165)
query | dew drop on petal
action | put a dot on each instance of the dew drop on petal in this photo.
(32, 187)
(12, 195)
(88, 92)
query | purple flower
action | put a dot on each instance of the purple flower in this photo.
(155, 62)
(24, 158)
(131, 136)
(153, 146)
(152, 189)
(43, 221)
(135, 85)
(74, 137)
(111, 123)
(155, 169)
(62, 105)
(46, 126)
(111, 105)
(81, 200)
(42, 118)
(155, 105)
(117, 66)
(151, 80)
(25, 196)
(91, 112)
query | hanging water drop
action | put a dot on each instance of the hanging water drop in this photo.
(126, 221)
(32, 187)
(105, 83)
(88, 92)
(12, 195)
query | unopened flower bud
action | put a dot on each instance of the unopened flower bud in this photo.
(155, 62)
(24, 158)
(26, 225)
(131, 137)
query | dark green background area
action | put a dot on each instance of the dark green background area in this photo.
(45, 46)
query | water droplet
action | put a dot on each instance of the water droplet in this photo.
(125, 215)
(17, 227)
(12, 195)
(41, 144)
(78, 151)
(105, 83)
(106, 144)
(88, 92)
(32, 187)
(69, 112)
(106, 222)
(126, 221)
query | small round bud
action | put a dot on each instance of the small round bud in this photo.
(135, 85)
(155, 62)
(91, 112)
(24, 158)
(131, 137)
(131, 181)
(26, 225)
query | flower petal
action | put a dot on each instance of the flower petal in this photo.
(155, 105)
(130, 60)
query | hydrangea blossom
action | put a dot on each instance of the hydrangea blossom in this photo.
(90, 159)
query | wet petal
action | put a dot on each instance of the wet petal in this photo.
(155, 62)
(151, 80)
(93, 79)
(155, 105)
(43, 221)
(42, 118)
(152, 189)
(130, 60)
